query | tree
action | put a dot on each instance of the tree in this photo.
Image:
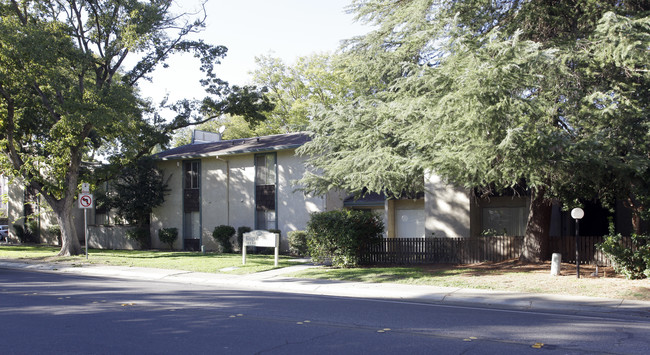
(502, 94)
(136, 191)
(312, 80)
(293, 90)
(67, 95)
(236, 127)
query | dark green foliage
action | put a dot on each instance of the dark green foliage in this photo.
(480, 93)
(137, 190)
(222, 235)
(298, 243)
(168, 236)
(55, 231)
(32, 231)
(140, 235)
(20, 233)
(240, 234)
(69, 91)
(340, 236)
(632, 262)
(28, 233)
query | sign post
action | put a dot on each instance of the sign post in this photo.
(260, 238)
(86, 201)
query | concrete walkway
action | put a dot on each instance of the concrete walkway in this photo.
(278, 281)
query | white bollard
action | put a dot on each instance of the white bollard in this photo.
(556, 263)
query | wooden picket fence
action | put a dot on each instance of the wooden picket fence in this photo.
(589, 254)
(397, 251)
(442, 250)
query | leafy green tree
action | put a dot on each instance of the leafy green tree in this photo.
(501, 94)
(236, 127)
(292, 90)
(66, 93)
(136, 191)
(295, 89)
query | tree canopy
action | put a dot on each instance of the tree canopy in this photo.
(66, 94)
(292, 89)
(552, 97)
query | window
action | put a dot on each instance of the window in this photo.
(265, 191)
(192, 205)
(509, 221)
(191, 169)
(265, 169)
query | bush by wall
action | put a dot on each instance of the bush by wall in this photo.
(168, 236)
(633, 262)
(298, 243)
(340, 235)
(222, 235)
(55, 231)
(27, 233)
(140, 235)
(240, 234)
(20, 233)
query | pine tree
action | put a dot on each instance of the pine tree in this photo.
(539, 94)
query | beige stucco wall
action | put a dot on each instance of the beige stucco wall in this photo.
(228, 197)
(45, 216)
(447, 209)
(214, 210)
(241, 191)
(294, 207)
(111, 237)
(16, 195)
(4, 186)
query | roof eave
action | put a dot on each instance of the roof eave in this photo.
(236, 152)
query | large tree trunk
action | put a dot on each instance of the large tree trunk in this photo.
(64, 209)
(537, 228)
(637, 210)
(69, 241)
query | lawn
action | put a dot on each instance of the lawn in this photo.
(510, 275)
(189, 261)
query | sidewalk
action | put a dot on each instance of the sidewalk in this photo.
(277, 281)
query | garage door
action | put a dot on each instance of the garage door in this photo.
(409, 223)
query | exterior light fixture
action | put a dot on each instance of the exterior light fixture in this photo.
(577, 214)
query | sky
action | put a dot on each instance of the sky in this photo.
(248, 28)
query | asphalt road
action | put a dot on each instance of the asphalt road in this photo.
(44, 313)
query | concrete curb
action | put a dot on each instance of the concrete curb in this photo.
(276, 281)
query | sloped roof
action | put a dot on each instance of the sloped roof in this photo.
(236, 146)
(372, 199)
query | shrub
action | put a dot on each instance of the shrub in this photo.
(298, 243)
(27, 233)
(342, 235)
(55, 231)
(168, 236)
(20, 233)
(222, 235)
(140, 235)
(633, 262)
(240, 234)
(31, 229)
